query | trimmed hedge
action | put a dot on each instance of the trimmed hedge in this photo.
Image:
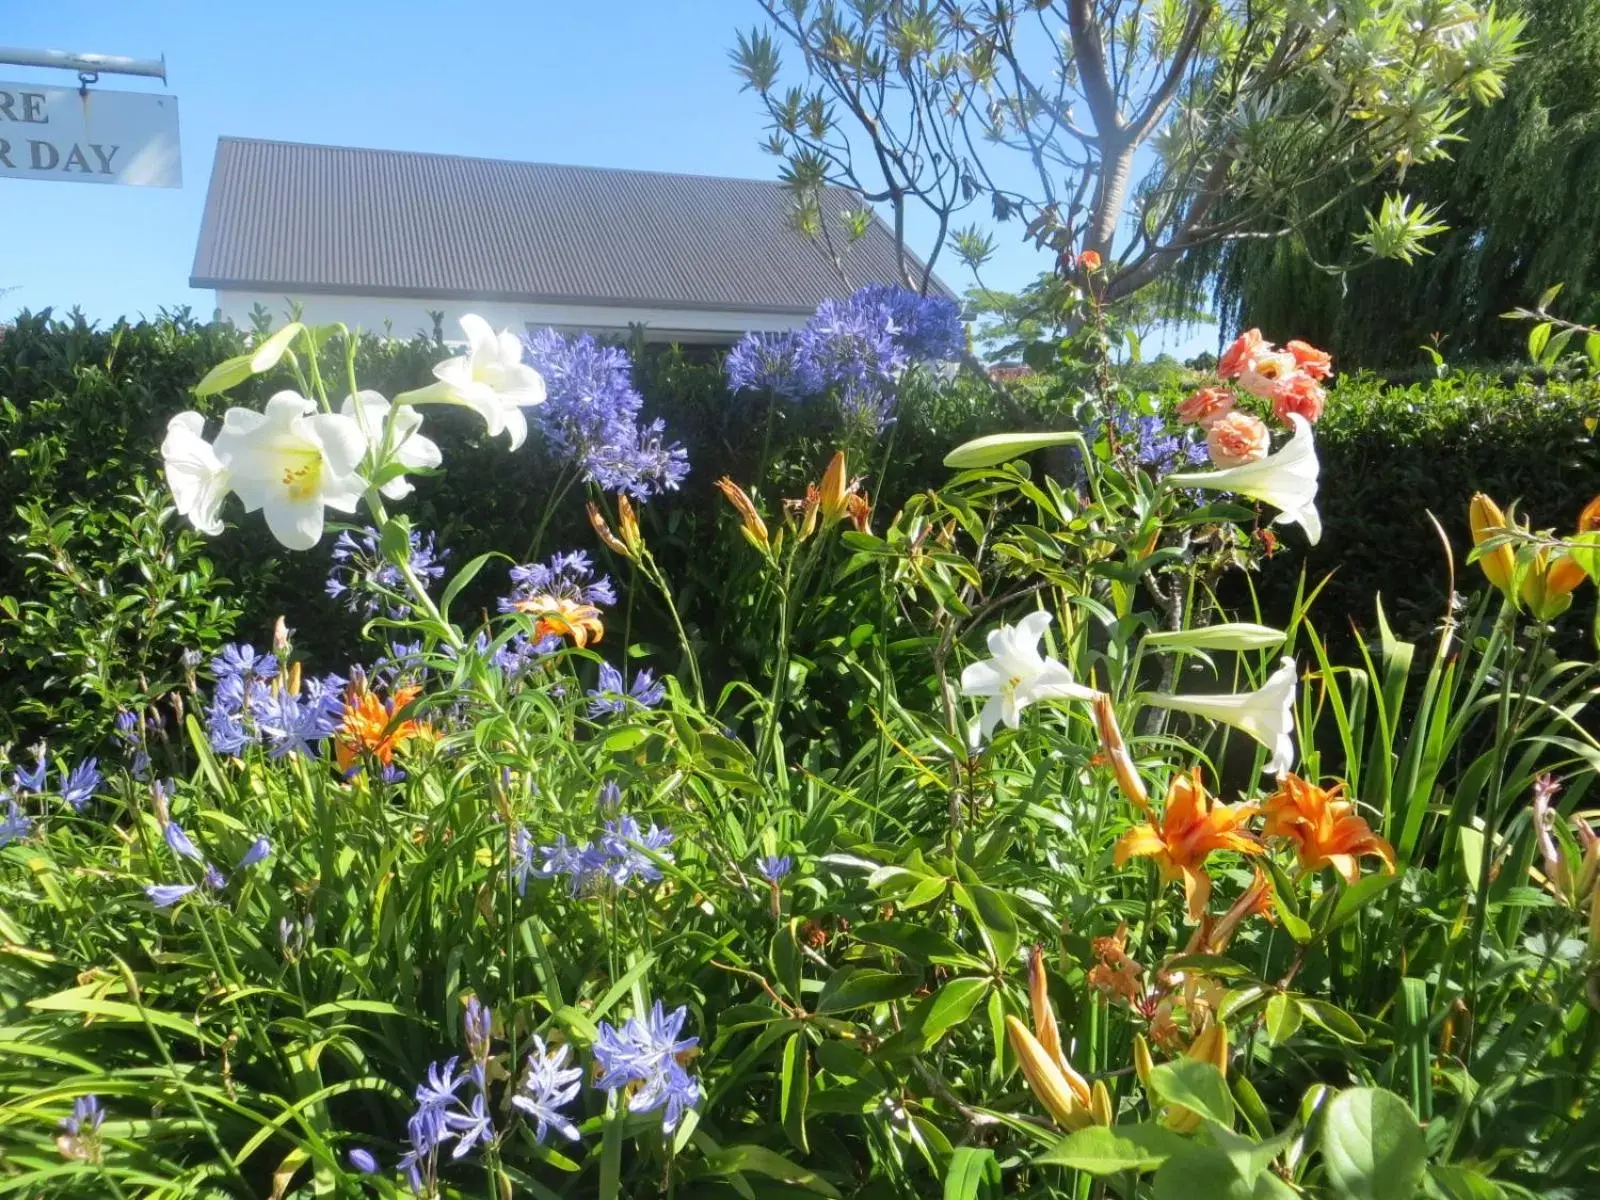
(83, 412)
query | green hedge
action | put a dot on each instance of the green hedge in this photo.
(92, 583)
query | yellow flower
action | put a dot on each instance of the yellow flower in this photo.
(1065, 1094)
(1190, 827)
(836, 490)
(1500, 564)
(1323, 826)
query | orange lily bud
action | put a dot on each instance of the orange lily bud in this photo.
(1499, 565)
(1045, 1079)
(1565, 573)
(628, 524)
(809, 509)
(294, 679)
(835, 490)
(1116, 753)
(1100, 1104)
(1538, 591)
(755, 529)
(1143, 1064)
(603, 531)
(1044, 1013)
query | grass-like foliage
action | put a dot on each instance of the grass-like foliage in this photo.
(1014, 866)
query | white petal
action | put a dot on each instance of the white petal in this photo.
(297, 524)
(478, 332)
(982, 679)
(1011, 706)
(516, 425)
(990, 717)
(455, 371)
(343, 446)
(1055, 682)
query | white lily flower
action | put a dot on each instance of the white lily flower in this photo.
(198, 478)
(292, 461)
(407, 446)
(1231, 635)
(1287, 480)
(490, 378)
(1018, 674)
(1266, 714)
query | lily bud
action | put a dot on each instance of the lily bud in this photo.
(1143, 1064)
(294, 679)
(1116, 752)
(1500, 564)
(1211, 1046)
(1044, 1013)
(628, 525)
(754, 528)
(1594, 922)
(1565, 573)
(603, 531)
(280, 638)
(1546, 592)
(808, 511)
(1045, 1078)
(1589, 865)
(1100, 1104)
(835, 490)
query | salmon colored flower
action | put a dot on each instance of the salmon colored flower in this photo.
(564, 618)
(860, 511)
(1237, 438)
(1242, 354)
(1190, 826)
(1298, 392)
(1323, 826)
(1254, 901)
(1487, 520)
(1206, 406)
(1089, 261)
(1263, 376)
(1316, 363)
(370, 728)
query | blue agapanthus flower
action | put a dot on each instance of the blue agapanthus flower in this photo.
(165, 895)
(624, 844)
(239, 661)
(14, 824)
(369, 583)
(774, 867)
(849, 341)
(81, 783)
(1157, 447)
(33, 779)
(548, 1085)
(765, 362)
(363, 1160)
(568, 576)
(612, 697)
(648, 1052)
(591, 417)
(248, 709)
(259, 849)
(178, 841)
(87, 1116)
(129, 731)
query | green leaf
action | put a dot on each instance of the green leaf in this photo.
(1372, 1147)
(1591, 347)
(229, 373)
(1537, 337)
(994, 915)
(948, 1007)
(1548, 296)
(1333, 1018)
(1463, 1183)
(974, 1174)
(1283, 1018)
(997, 448)
(796, 1090)
(850, 988)
(916, 942)
(762, 1161)
(1102, 1151)
(1356, 896)
(1197, 1086)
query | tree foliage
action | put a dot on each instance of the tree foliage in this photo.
(1138, 130)
(1521, 197)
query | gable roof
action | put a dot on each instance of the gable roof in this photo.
(284, 216)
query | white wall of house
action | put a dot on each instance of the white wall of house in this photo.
(407, 316)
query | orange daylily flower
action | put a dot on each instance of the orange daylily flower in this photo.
(1114, 751)
(1191, 825)
(563, 617)
(1255, 901)
(751, 524)
(1089, 261)
(370, 728)
(1115, 975)
(1565, 574)
(1324, 827)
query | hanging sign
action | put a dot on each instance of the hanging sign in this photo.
(90, 137)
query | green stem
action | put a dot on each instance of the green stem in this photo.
(564, 484)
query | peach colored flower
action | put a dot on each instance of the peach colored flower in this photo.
(1316, 363)
(1237, 358)
(1236, 439)
(1323, 827)
(1298, 392)
(1089, 260)
(1190, 826)
(1206, 406)
(1261, 377)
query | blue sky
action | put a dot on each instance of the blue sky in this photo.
(616, 83)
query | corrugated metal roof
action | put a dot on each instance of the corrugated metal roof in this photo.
(330, 219)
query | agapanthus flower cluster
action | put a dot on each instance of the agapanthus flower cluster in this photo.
(613, 695)
(368, 583)
(592, 417)
(165, 895)
(80, 1133)
(254, 704)
(77, 787)
(646, 1058)
(548, 1085)
(618, 856)
(855, 350)
(570, 577)
(131, 734)
(443, 1116)
(14, 823)
(1155, 446)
